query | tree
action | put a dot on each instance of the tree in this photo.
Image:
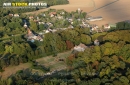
(16, 61)
(33, 25)
(8, 49)
(41, 27)
(12, 62)
(3, 63)
(10, 81)
(86, 39)
(16, 48)
(120, 25)
(117, 82)
(2, 48)
(1, 23)
(122, 64)
(69, 44)
(124, 80)
(95, 81)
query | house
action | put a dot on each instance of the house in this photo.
(96, 42)
(31, 17)
(80, 48)
(46, 31)
(40, 33)
(70, 26)
(16, 15)
(25, 25)
(49, 24)
(59, 17)
(94, 28)
(79, 10)
(52, 30)
(62, 13)
(39, 38)
(107, 26)
(31, 37)
(44, 15)
(61, 28)
(64, 28)
(52, 14)
(70, 19)
(71, 22)
(11, 15)
(41, 23)
(35, 20)
(79, 19)
(38, 19)
(84, 25)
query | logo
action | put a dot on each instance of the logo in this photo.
(23, 4)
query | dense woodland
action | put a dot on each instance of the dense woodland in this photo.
(105, 64)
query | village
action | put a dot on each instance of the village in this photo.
(61, 16)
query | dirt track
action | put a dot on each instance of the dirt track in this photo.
(112, 11)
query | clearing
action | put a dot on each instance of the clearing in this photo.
(48, 61)
(53, 62)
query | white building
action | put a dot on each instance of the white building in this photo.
(41, 23)
(16, 15)
(94, 18)
(107, 26)
(96, 42)
(25, 25)
(31, 37)
(80, 48)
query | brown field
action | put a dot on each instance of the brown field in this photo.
(111, 12)
(13, 69)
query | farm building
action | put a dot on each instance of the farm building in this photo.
(94, 18)
(108, 26)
